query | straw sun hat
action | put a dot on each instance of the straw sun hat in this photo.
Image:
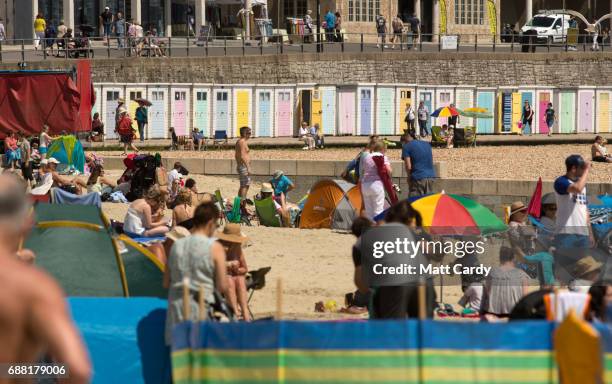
(231, 233)
(585, 266)
(516, 207)
(266, 188)
(178, 232)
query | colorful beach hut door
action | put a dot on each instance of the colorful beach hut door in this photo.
(243, 109)
(464, 98)
(180, 111)
(544, 97)
(567, 112)
(586, 118)
(603, 111)
(528, 96)
(132, 95)
(284, 113)
(364, 113)
(427, 98)
(158, 113)
(264, 113)
(221, 111)
(201, 108)
(444, 99)
(328, 118)
(346, 99)
(404, 97)
(485, 99)
(506, 112)
(316, 109)
(517, 111)
(111, 95)
(384, 111)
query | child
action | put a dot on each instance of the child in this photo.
(447, 134)
(599, 152)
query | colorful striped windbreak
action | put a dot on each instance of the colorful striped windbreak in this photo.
(367, 352)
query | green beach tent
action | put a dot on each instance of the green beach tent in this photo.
(75, 245)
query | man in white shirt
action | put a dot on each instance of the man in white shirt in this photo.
(306, 137)
(174, 178)
(573, 228)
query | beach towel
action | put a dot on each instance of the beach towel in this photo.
(60, 196)
(559, 306)
(118, 197)
(44, 186)
(385, 177)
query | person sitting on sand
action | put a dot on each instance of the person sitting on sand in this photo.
(145, 217)
(232, 240)
(200, 258)
(599, 152)
(284, 211)
(97, 182)
(182, 213)
(282, 185)
(49, 167)
(505, 285)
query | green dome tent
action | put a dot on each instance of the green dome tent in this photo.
(74, 244)
(69, 151)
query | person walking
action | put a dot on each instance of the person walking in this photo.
(423, 115)
(381, 29)
(330, 26)
(120, 29)
(106, 22)
(39, 30)
(26, 158)
(373, 181)
(409, 118)
(2, 30)
(308, 29)
(527, 118)
(126, 132)
(418, 163)
(339, 37)
(119, 110)
(550, 118)
(142, 119)
(415, 28)
(398, 26)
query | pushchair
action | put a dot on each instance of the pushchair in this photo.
(81, 45)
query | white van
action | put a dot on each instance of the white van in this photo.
(546, 28)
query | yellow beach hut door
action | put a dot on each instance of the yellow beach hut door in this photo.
(404, 97)
(243, 109)
(316, 108)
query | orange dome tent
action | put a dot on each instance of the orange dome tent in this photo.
(331, 204)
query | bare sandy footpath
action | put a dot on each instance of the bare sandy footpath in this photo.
(499, 162)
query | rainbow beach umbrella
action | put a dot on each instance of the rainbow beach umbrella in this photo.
(445, 112)
(450, 214)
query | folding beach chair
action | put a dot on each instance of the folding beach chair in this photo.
(436, 137)
(220, 138)
(266, 212)
(255, 280)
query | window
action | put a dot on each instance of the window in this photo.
(135, 95)
(363, 10)
(158, 95)
(295, 8)
(222, 96)
(470, 12)
(112, 95)
(201, 96)
(179, 95)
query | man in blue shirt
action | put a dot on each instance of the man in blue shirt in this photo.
(330, 21)
(418, 161)
(282, 185)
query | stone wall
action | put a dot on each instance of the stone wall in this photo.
(476, 69)
(494, 194)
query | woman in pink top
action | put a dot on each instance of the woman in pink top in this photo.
(372, 187)
(12, 150)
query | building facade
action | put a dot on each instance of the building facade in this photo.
(177, 17)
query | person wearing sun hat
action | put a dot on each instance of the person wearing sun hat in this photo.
(586, 271)
(282, 185)
(232, 240)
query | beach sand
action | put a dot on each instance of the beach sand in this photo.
(314, 264)
(485, 162)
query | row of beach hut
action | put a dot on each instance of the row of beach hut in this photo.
(358, 109)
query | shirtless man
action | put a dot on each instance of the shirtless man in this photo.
(34, 320)
(244, 162)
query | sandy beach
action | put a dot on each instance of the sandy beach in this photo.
(314, 264)
(485, 162)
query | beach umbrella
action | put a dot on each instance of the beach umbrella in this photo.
(450, 214)
(143, 101)
(475, 114)
(445, 112)
(535, 204)
(476, 110)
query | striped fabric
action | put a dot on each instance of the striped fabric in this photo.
(366, 352)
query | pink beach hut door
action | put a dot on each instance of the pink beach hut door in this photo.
(543, 99)
(347, 111)
(283, 113)
(585, 108)
(179, 112)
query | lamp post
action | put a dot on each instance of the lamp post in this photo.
(318, 26)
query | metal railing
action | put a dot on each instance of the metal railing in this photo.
(28, 50)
